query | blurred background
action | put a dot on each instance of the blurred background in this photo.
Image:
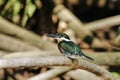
(92, 24)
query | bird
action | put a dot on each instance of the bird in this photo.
(67, 47)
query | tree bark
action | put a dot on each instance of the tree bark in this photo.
(2, 53)
(100, 58)
(84, 31)
(73, 22)
(79, 74)
(57, 61)
(103, 23)
(11, 44)
(51, 73)
(16, 31)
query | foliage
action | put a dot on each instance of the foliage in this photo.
(116, 74)
(15, 10)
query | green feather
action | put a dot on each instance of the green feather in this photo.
(70, 48)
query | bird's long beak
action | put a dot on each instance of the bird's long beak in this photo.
(53, 35)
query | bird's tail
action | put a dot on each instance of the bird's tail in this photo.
(88, 57)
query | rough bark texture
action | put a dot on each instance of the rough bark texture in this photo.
(53, 61)
(100, 58)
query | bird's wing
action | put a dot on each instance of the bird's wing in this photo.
(70, 47)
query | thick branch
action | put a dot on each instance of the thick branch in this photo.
(100, 58)
(14, 30)
(103, 23)
(12, 44)
(56, 61)
(30, 54)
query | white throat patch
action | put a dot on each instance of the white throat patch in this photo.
(65, 39)
(61, 39)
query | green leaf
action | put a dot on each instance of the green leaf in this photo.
(118, 34)
(16, 8)
(2, 2)
(31, 9)
(118, 31)
(28, 12)
(116, 74)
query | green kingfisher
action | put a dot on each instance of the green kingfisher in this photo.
(67, 47)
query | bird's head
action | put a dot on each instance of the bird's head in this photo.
(60, 36)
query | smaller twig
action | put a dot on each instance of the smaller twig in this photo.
(79, 74)
(103, 23)
(97, 43)
(51, 73)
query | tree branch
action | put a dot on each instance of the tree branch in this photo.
(73, 22)
(79, 74)
(12, 44)
(16, 31)
(30, 54)
(84, 30)
(56, 61)
(51, 73)
(2, 53)
(103, 23)
(100, 58)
